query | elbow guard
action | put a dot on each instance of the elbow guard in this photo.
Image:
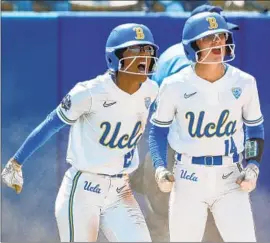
(254, 149)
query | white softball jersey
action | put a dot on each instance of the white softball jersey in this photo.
(206, 119)
(106, 124)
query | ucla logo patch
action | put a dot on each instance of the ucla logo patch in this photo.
(147, 102)
(66, 102)
(236, 92)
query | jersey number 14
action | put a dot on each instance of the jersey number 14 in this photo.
(230, 147)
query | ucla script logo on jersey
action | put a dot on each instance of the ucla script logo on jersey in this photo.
(221, 128)
(185, 175)
(117, 141)
(91, 188)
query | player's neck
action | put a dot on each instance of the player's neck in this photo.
(210, 72)
(129, 83)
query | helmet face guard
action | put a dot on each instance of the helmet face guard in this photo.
(224, 57)
(125, 36)
(202, 26)
(149, 60)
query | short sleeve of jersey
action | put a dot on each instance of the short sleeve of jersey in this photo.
(252, 115)
(165, 106)
(74, 104)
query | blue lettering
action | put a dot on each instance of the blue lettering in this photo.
(88, 187)
(124, 141)
(221, 121)
(128, 158)
(211, 129)
(197, 132)
(124, 138)
(230, 128)
(184, 175)
(135, 135)
(107, 126)
(210, 126)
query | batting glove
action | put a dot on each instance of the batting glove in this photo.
(248, 178)
(164, 179)
(12, 175)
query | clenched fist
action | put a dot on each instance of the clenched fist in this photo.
(248, 178)
(164, 179)
(12, 175)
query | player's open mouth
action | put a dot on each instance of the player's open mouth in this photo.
(216, 51)
(141, 67)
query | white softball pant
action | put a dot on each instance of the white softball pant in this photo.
(199, 187)
(87, 202)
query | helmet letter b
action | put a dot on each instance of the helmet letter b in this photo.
(212, 23)
(139, 33)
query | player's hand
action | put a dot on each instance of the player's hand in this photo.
(248, 178)
(164, 179)
(12, 175)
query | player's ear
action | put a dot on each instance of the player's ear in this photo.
(228, 49)
(196, 48)
(152, 65)
(120, 54)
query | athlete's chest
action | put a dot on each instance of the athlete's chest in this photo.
(210, 112)
(114, 109)
(211, 101)
(120, 123)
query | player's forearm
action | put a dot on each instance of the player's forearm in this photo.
(39, 136)
(158, 145)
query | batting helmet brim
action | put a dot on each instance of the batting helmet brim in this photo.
(131, 43)
(209, 32)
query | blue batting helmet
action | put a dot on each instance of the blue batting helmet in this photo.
(123, 36)
(201, 25)
(211, 8)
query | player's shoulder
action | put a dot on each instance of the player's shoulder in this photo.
(151, 87)
(151, 84)
(240, 76)
(97, 85)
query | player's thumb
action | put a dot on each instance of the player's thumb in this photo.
(240, 178)
(170, 177)
(17, 188)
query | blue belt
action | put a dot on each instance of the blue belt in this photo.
(113, 176)
(208, 160)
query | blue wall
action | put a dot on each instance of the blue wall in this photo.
(44, 55)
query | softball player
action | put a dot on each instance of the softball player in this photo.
(107, 117)
(171, 61)
(206, 106)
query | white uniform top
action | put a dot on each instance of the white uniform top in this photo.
(206, 119)
(107, 124)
